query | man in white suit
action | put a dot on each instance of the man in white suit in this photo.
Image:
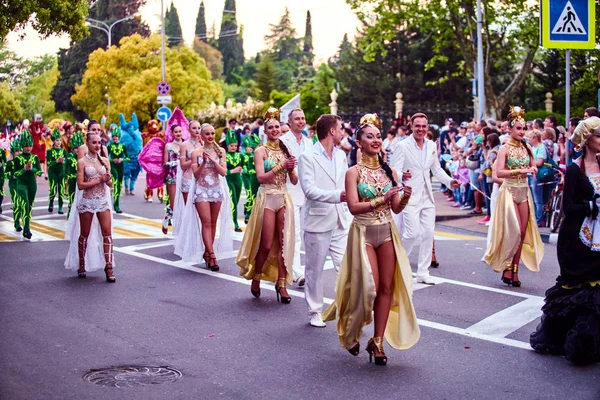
(297, 144)
(417, 158)
(322, 170)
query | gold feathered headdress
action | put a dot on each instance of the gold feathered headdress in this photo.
(516, 114)
(371, 119)
(272, 113)
(584, 130)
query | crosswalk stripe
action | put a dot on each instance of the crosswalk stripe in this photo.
(6, 238)
(48, 230)
(130, 234)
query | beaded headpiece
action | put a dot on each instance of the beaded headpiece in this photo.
(76, 140)
(584, 130)
(272, 113)
(26, 139)
(55, 134)
(370, 119)
(516, 114)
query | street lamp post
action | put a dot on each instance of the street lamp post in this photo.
(106, 28)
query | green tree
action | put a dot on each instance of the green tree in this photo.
(200, 31)
(265, 78)
(35, 93)
(282, 41)
(10, 109)
(510, 35)
(212, 57)
(12, 67)
(230, 42)
(51, 17)
(173, 27)
(129, 73)
(72, 61)
(308, 44)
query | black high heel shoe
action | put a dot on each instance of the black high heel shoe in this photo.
(516, 282)
(256, 278)
(355, 350)
(506, 279)
(212, 263)
(281, 284)
(110, 278)
(376, 343)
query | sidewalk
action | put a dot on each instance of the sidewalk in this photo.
(453, 218)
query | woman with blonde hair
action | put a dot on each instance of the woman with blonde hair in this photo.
(514, 235)
(267, 250)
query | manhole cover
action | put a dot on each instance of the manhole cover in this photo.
(132, 375)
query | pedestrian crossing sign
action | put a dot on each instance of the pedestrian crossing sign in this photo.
(568, 24)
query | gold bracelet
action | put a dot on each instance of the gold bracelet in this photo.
(515, 172)
(377, 202)
(276, 169)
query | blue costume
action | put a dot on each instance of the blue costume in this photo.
(131, 137)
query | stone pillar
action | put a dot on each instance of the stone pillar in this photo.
(399, 104)
(549, 102)
(333, 106)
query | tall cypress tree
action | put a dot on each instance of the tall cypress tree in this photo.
(201, 24)
(308, 46)
(173, 27)
(72, 61)
(230, 43)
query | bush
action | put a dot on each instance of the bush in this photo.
(531, 115)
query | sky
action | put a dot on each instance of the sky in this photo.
(331, 19)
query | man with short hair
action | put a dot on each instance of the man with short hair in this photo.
(591, 112)
(297, 144)
(538, 124)
(322, 170)
(416, 159)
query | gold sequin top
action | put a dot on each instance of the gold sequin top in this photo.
(517, 156)
(274, 156)
(372, 183)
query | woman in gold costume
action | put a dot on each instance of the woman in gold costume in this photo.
(514, 234)
(267, 249)
(375, 275)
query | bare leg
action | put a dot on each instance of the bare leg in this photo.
(107, 241)
(523, 218)
(171, 192)
(185, 197)
(203, 209)
(386, 265)
(281, 270)
(85, 223)
(266, 243)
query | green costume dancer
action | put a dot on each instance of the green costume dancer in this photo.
(249, 179)
(9, 172)
(2, 175)
(117, 154)
(234, 175)
(27, 168)
(55, 159)
(71, 167)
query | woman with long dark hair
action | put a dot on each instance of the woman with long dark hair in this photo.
(375, 278)
(571, 321)
(267, 250)
(91, 246)
(514, 234)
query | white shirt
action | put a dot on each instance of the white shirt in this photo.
(421, 151)
(330, 160)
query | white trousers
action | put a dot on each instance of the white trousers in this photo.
(418, 230)
(297, 268)
(317, 247)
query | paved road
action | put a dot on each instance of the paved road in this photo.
(226, 344)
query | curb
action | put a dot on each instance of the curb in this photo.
(442, 218)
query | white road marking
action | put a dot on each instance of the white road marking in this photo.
(505, 322)
(430, 324)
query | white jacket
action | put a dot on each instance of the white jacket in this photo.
(323, 209)
(407, 157)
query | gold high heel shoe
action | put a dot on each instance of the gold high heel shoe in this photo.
(376, 343)
(281, 284)
(256, 278)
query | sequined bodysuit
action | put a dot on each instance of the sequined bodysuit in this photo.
(94, 199)
(517, 157)
(275, 191)
(208, 184)
(173, 154)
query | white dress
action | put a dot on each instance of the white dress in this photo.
(95, 199)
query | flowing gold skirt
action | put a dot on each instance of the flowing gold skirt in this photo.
(355, 292)
(505, 235)
(246, 257)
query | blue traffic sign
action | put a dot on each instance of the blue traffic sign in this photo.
(164, 114)
(568, 24)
